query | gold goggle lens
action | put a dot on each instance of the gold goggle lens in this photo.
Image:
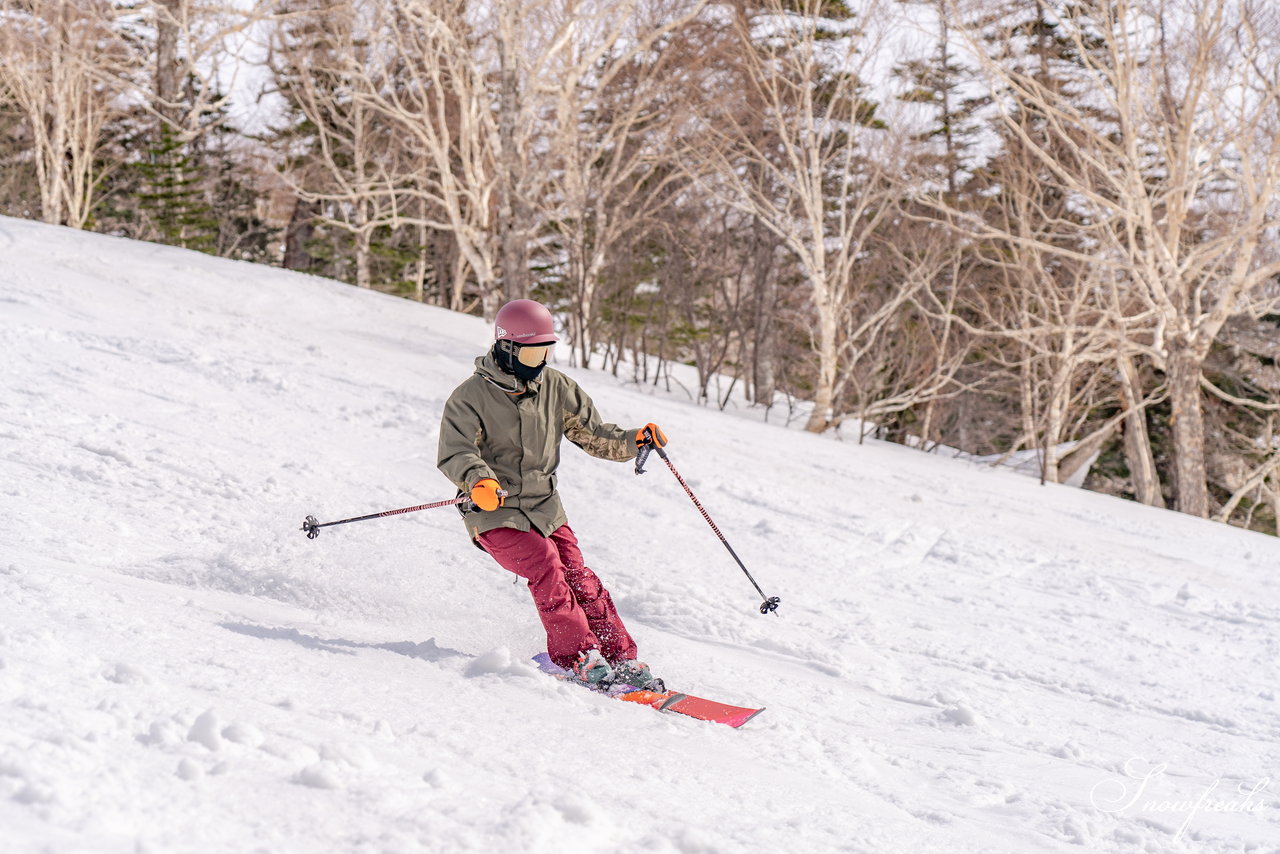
(531, 357)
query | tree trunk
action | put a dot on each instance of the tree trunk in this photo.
(458, 281)
(298, 234)
(167, 80)
(1137, 440)
(1190, 476)
(53, 196)
(420, 274)
(1275, 502)
(824, 390)
(512, 210)
(1084, 452)
(1055, 418)
(364, 241)
(764, 379)
(1049, 450)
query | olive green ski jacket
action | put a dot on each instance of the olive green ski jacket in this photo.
(498, 426)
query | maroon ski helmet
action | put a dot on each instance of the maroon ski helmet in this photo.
(525, 321)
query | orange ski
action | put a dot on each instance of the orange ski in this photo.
(665, 701)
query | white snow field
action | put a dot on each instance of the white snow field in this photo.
(964, 660)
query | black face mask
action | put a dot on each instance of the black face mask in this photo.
(504, 352)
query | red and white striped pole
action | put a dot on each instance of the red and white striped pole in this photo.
(769, 603)
(312, 527)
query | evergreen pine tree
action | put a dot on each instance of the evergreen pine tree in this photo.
(172, 197)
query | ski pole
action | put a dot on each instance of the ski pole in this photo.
(312, 527)
(770, 603)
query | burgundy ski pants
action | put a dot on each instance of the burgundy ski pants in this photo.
(576, 610)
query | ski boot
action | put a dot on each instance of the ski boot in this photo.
(592, 670)
(637, 675)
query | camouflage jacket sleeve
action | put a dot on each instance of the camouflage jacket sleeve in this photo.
(583, 427)
(459, 452)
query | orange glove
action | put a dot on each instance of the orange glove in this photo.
(487, 495)
(651, 434)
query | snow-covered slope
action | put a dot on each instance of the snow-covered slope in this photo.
(964, 660)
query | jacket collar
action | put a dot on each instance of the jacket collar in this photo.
(487, 368)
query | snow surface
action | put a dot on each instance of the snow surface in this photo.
(964, 660)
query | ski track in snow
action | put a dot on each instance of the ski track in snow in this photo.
(964, 660)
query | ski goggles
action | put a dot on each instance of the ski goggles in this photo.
(532, 355)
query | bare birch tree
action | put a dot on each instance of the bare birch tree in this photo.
(1178, 185)
(439, 107)
(321, 57)
(195, 71)
(909, 360)
(62, 64)
(614, 102)
(808, 159)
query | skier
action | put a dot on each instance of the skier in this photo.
(501, 432)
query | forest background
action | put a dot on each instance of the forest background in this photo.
(1000, 227)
